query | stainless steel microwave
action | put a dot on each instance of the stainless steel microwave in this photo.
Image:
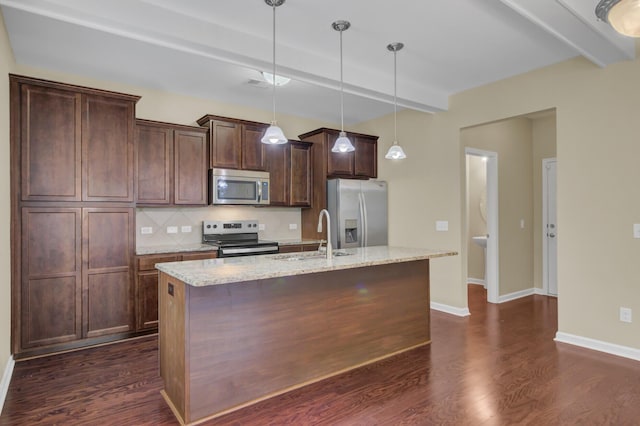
(248, 187)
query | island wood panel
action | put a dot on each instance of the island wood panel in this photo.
(244, 342)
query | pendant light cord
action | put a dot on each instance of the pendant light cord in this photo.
(274, 63)
(395, 99)
(341, 88)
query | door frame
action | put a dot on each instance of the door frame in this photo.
(492, 263)
(545, 218)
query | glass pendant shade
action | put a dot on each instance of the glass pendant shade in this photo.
(623, 15)
(273, 135)
(395, 152)
(343, 144)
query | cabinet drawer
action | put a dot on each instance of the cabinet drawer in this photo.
(200, 255)
(147, 263)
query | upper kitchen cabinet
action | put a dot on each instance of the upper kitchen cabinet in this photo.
(73, 143)
(361, 163)
(235, 144)
(290, 170)
(171, 164)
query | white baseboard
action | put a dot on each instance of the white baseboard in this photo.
(475, 281)
(541, 292)
(461, 312)
(598, 345)
(6, 380)
(515, 295)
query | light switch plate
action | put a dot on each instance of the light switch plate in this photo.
(186, 228)
(146, 230)
(293, 226)
(442, 225)
(172, 229)
(636, 230)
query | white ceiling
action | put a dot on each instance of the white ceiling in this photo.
(214, 48)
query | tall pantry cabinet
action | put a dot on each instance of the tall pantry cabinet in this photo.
(72, 203)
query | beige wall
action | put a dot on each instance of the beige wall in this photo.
(6, 66)
(511, 140)
(544, 146)
(476, 214)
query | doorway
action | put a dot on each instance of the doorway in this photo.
(549, 228)
(490, 210)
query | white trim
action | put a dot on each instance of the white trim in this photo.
(598, 345)
(541, 292)
(461, 312)
(475, 281)
(6, 380)
(516, 295)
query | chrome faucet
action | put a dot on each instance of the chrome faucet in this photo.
(325, 213)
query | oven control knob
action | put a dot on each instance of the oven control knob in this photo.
(215, 226)
(208, 226)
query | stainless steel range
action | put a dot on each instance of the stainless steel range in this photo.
(236, 238)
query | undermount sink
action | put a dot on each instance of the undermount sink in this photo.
(480, 240)
(308, 256)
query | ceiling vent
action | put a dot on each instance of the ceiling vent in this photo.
(260, 84)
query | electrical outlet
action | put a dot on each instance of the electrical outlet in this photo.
(442, 225)
(625, 314)
(636, 230)
(261, 227)
(146, 230)
(172, 229)
(521, 223)
(186, 228)
(293, 226)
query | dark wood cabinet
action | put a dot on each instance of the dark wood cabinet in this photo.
(171, 164)
(235, 144)
(51, 287)
(289, 168)
(296, 248)
(146, 288)
(107, 148)
(359, 164)
(107, 274)
(76, 144)
(72, 210)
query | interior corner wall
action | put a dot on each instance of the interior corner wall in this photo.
(511, 140)
(7, 64)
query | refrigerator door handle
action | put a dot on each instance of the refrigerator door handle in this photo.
(363, 219)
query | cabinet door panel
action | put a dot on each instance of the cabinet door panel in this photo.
(338, 163)
(253, 150)
(200, 256)
(50, 296)
(225, 144)
(108, 303)
(50, 144)
(277, 163)
(301, 175)
(107, 149)
(107, 280)
(154, 161)
(366, 157)
(190, 168)
(147, 300)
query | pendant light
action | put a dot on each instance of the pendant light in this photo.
(274, 135)
(395, 151)
(342, 144)
(623, 15)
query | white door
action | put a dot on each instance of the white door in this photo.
(549, 227)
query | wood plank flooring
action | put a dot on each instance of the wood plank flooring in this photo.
(500, 366)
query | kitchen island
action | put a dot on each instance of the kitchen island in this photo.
(236, 331)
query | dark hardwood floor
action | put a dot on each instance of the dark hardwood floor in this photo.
(500, 366)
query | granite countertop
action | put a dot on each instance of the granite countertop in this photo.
(200, 273)
(175, 248)
(295, 242)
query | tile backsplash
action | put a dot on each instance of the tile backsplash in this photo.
(277, 221)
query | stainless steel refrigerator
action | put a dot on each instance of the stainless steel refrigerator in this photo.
(358, 210)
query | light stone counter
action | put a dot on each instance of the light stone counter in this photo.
(201, 273)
